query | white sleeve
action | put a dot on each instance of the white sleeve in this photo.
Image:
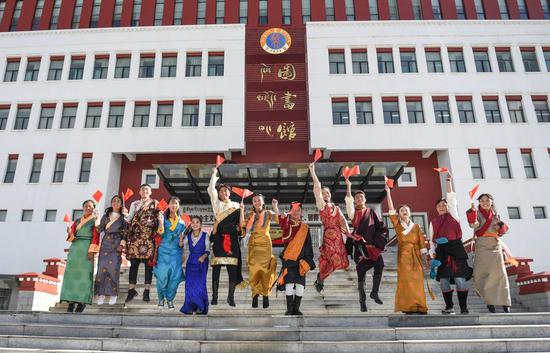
(132, 212)
(350, 207)
(430, 239)
(213, 193)
(453, 205)
(185, 242)
(207, 243)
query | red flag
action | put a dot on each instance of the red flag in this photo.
(354, 171)
(219, 161)
(186, 219)
(389, 182)
(295, 206)
(97, 196)
(346, 172)
(441, 170)
(472, 192)
(129, 193)
(162, 205)
(318, 155)
(243, 193)
(67, 219)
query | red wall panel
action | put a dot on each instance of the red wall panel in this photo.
(231, 11)
(126, 16)
(318, 10)
(383, 9)
(86, 14)
(361, 10)
(210, 11)
(106, 12)
(147, 17)
(190, 12)
(66, 14)
(405, 9)
(470, 9)
(275, 13)
(534, 8)
(168, 14)
(27, 15)
(427, 12)
(339, 10)
(513, 9)
(8, 15)
(492, 11)
(448, 9)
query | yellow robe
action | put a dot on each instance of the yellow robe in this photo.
(262, 265)
(410, 295)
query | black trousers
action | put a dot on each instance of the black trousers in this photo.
(232, 273)
(134, 270)
(363, 266)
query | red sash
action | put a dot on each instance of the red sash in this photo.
(488, 221)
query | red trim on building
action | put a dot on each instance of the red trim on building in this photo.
(70, 105)
(405, 9)
(440, 99)
(448, 9)
(66, 14)
(117, 104)
(86, 14)
(147, 16)
(362, 12)
(363, 99)
(35, 282)
(427, 13)
(253, 13)
(13, 60)
(60, 155)
(336, 51)
(383, 9)
(191, 101)
(12, 157)
(8, 16)
(413, 99)
(147, 55)
(534, 9)
(24, 106)
(527, 49)
(463, 98)
(513, 9)
(210, 15)
(46, 15)
(339, 10)
(126, 16)
(318, 12)
(168, 13)
(231, 11)
(502, 150)
(78, 57)
(470, 9)
(27, 15)
(165, 102)
(489, 98)
(5, 106)
(190, 12)
(124, 56)
(55, 267)
(513, 98)
(296, 13)
(48, 105)
(407, 50)
(87, 155)
(275, 13)
(142, 103)
(193, 53)
(358, 50)
(34, 59)
(339, 99)
(525, 150)
(57, 57)
(492, 10)
(384, 50)
(502, 49)
(480, 49)
(106, 12)
(170, 55)
(539, 97)
(473, 150)
(215, 53)
(390, 99)
(214, 101)
(454, 49)
(95, 104)
(432, 50)
(102, 56)
(38, 156)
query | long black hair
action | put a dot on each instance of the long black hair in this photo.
(168, 212)
(490, 197)
(109, 209)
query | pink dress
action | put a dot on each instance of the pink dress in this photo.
(333, 251)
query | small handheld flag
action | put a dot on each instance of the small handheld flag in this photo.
(472, 192)
(295, 206)
(126, 196)
(441, 170)
(186, 218)
(318, 155)
(67, 219)
(219, 161)
(243, 193)
(162, 205)
(389, 182)
(97, 196)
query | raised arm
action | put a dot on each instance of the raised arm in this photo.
(391, 209)
(275, 206)
(212, 192)
(350, 207)
(451, 198)
(449, 182)
(241, 217)
(319, 202)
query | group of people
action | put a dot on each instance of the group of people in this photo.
(161, 240)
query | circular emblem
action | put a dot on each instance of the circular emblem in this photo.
(275, 41)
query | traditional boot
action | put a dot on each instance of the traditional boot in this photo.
(376, 279)
(231, 294)
(318, 283)
(289, 305)
(80, 308)
(362, 296)
(215, 285)
(491, 308)
(255, 301)
(463, 301)
(265, 303)
(507, 309)
(146, 296)
(131, 295)
(448, 297)
(297, 301)
(70, 308)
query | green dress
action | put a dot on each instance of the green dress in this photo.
(79, 272)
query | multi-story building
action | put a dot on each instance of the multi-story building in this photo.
(111, 94)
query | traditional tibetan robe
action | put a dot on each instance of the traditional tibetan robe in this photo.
(490, 277)
(140, 239)
(409, 296)
(297, 256)
(262, 265)
(196, 294)
(78, 278)
(333, 255)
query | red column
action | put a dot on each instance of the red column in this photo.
(231, 11)
(210, 11)
(8, 15)
(275, 13)
(448, 9)
(361, 10)
(126, 16)
(168, 14)
(470, 9)
(405, 9)
(534, 9)
(46, 15)
(27, 15)
(339, 10)
(86, 14)
(147, 16)
(190, 12)
(492, 11)
(106, 12)
(296, 13)
(253, 9)
(318, 12)
(513, 9)
(383, 9)
(66, 14)
(427, 12)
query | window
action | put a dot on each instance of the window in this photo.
(480, 12)
(466, 113)
(391, 111)
(68, 117)
(529, 58)
(178, 12)
(350, 10)
(441, 111)
(116, 115)
(504, 59)
(363, 110)
(340, 111)
(456, 60)
(545, 9)
(306, 11)
(475, 164)
(33, 67)
(16, 15)
(50, 215)
(101, 65)
(539, 212)
(373, 10)
(329, 10)
(504, 164)
(415, 111)
(85, 168)
(95, 13)
(12, 68)
(136, 12)
(385, 62)
(417, 9)
(436, 10)
(433, 60)
(37, 15)
(541, 110)
(47, 114)
(77, 13)
(503, 7)
(546, 52)
(26, 215)
(59, 168)
(93, 116)
(77, 68)
(169, 65)
(122, 67)
(522, 10)
(22, 118)
(492, 110)
(159, 11)
(9, 176)
(262, 12)
(515, 109)
(164, 114)
(77, 214)
(394, 11)
(190, 114)
(213, 113)
(56, 69)
(2, 10)
(408, 178)
(141, 115)
(151, 179)
(147, 66)
(408, 60)
(528, 164)
(117, 13)
(215, 64)
(193, 65)
(4, 113)
(359, 62)
(336, 62)
(481, 59)
(513, 213)
(3, 213)
(55, 14)
(243, 11)
(201, 12)
(36, 167)
(220, 11)
(287, 12)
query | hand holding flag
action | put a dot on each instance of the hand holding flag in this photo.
(162, 205)
(186, 219)
(389, 182)
(472, 192)
(126, 196)
(67, 219)
(219, 161)
(318, 155)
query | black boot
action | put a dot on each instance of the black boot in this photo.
(131, 295)
(70, 308)
(376, 279)
(297, 301)
(265, 303)
(231, 294)
(463, 301)
(80, 308)
(289, 305)
(318, 284)
(491, 308)
(146, 296)
(215, 285)
(449, 306)
(362, 296)
(255, 301)
(507, 309)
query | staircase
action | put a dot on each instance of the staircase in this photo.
(331, 323)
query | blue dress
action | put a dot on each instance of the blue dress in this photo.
(196, 295)
(168, 271)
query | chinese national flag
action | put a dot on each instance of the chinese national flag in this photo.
(472, 192)
(295, 206)
(162, 205)
(219, 161)
(129, 193)
(389, 182)
(346, 171)
(97, 196)
(441, 170)
(67, 219)
(318, 155)
(186, 219)
(243, 193)
(354, 171)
